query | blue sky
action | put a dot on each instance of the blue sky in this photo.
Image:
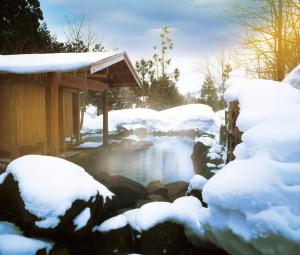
(198, 27)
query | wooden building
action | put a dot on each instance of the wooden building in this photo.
(40, 97)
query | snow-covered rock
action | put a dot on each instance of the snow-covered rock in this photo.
(197, 183)
(12, 241)
(293, 78)
(253, 202)
(52, 194)
(187, 117)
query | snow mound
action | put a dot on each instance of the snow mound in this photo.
(293, 78)
(253, 202)
(49, 185)
(197, 183)
(187, 117)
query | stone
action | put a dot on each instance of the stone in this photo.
(156, 187)
(165, 238)
(126, 191)
(142, 202)
(12, 206)
(176, 189)
(117, 241)
(157, 198)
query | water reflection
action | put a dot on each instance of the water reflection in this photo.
(168, 160)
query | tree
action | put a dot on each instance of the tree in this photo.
(272, 35)
(208, 93)
(22, 30)
(160, 86)
(221, 89)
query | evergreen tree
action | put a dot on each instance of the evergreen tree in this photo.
(221, 90)
(160, 89)
(208, 94)
(19, 26)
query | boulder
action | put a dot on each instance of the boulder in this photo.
(196, 186)
(156, 198)
(116, 241)
(51, 197)
(156, 187)
(142, 202)
(126, 191)
(176, 189)
(164, 238)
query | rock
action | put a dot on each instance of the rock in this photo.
(126, 191)
(117, 241)
(200, 159)
(155, 187)
(176, 189)
(165, 238)
(195, 187)
(141, 202)
(84, 207)
(140, 132)
(156, 198)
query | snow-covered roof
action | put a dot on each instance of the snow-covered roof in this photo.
(63, 62)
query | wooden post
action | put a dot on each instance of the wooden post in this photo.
(105, 118)
(54, 114)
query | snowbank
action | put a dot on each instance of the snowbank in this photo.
(48, 186)
(194, 116)
(253, 202)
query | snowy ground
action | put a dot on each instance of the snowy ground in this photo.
(187, 117)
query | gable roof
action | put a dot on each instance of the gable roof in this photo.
(65, 62)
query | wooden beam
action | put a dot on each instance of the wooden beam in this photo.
(54, 113)
(105, 117)
(106, 76)
(74, 81)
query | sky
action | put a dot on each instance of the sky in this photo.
(198, 28)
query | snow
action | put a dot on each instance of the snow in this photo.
(215, 151)
(82, 219)
(49, 186)
(293, 78)
(19, 245)
(197, 183)
(12, 241)
(116, 222)
(253, 202)
(193, 116)
(2, 177)
(51, 62)
(89, 145)
(154, 213)
(9, 228)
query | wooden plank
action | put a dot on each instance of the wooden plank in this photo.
(105, 118)
(74, 81)
(54, 114)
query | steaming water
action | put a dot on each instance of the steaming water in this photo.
(168, 160)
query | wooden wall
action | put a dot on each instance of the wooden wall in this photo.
(23, 118)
